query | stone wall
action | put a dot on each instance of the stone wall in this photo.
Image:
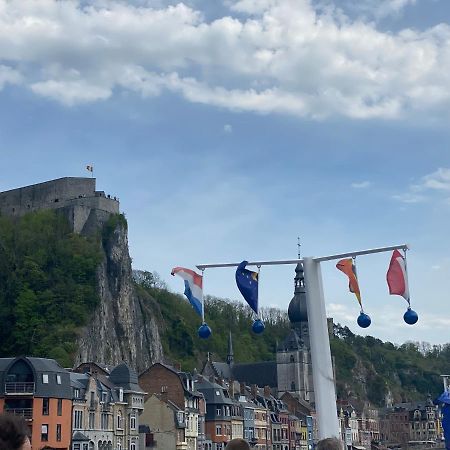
(84, 207)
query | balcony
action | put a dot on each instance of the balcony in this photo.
(19, 388)
(26, 413)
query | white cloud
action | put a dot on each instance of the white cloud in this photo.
(361, 185)
(437, 181)
(285, 57)
(227, 128)
(9, 75)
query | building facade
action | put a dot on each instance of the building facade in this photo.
(38, 389)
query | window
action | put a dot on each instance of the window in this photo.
(45, 378)
(58, 432)
(120, 395)
(218, 411)
(132, 421)
(58, 379)
(59, 408)
(104, 420)
(119, 420)
(104, 397)
(44, 433)
(218, 430)
(132, 446)
(45, 406)
(76, 446)
(76, 393)
(91, 420)
(78, 419)
(292, 386)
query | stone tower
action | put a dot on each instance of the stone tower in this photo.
(294, 373)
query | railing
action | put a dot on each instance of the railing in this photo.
(19, 388)
(26, 413)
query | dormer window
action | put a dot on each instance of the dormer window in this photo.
(76, 393)
(120, 395)
(45, 378)
(104, 397)
(58, 379)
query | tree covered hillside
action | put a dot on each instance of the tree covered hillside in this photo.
(47, 285)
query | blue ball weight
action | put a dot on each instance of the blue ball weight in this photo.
(410, 317)
(258, 326)
(204, 332)
(364, 320)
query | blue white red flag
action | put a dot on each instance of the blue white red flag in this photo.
(193, 287)
(247, 283)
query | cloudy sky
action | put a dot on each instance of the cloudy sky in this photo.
(230, 127)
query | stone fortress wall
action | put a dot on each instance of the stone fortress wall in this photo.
(77, 198)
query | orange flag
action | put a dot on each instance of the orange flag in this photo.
(347, 266)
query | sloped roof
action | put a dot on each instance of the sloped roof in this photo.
(125, 377)
(78, 436)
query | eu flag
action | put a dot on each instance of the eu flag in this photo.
(247, 283)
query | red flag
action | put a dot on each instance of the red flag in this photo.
(347, 266)
(397, 278)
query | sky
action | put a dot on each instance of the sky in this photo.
(229, 128)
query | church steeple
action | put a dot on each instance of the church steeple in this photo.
(230, 356)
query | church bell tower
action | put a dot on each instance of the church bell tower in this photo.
(294, 372)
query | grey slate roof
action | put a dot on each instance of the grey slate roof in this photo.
(36, 368)
(79, 436)
(260, 373)
(125, 377)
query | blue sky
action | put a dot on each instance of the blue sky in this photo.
(227, 129)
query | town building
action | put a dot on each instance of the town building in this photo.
(177, 390)
(106, 407)
(38, 389)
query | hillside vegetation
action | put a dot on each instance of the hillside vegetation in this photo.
(47, 285)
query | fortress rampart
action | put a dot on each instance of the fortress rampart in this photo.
(77, 198)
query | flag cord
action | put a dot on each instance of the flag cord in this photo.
(259, 270)
(406, 275)
(203, 300)
(356, 275)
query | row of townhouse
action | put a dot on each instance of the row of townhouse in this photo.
(90, 408)
(411, 424)
(401, 425)
(202, 413)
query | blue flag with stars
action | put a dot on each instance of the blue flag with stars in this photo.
(247, 283)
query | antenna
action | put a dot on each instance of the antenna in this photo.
(298, 246)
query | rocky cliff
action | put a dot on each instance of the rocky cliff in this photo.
(122, 327)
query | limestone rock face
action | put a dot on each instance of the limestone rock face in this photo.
(122, 328)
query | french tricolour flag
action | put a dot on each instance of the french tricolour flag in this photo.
(193, 287)
(397, 277)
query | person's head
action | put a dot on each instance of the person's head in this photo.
(13, 433)
(329, 444)
(237, 444)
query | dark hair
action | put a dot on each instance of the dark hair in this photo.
(329, 444)
(237, 444)
(13, 432)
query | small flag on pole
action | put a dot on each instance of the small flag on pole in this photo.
(247, 283)
(347, 266)
(397, 277)
(193, 288)
(90, 168)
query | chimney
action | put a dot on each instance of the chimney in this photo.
(220, 381)
(242, 388)
(266, 391)
(254, 390)
(231, 389)
(177, 366)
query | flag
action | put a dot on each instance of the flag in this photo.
(247, 283)
(193, 287)
(347, 266)
(446, 424)
(90, 168)
(397, 278)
